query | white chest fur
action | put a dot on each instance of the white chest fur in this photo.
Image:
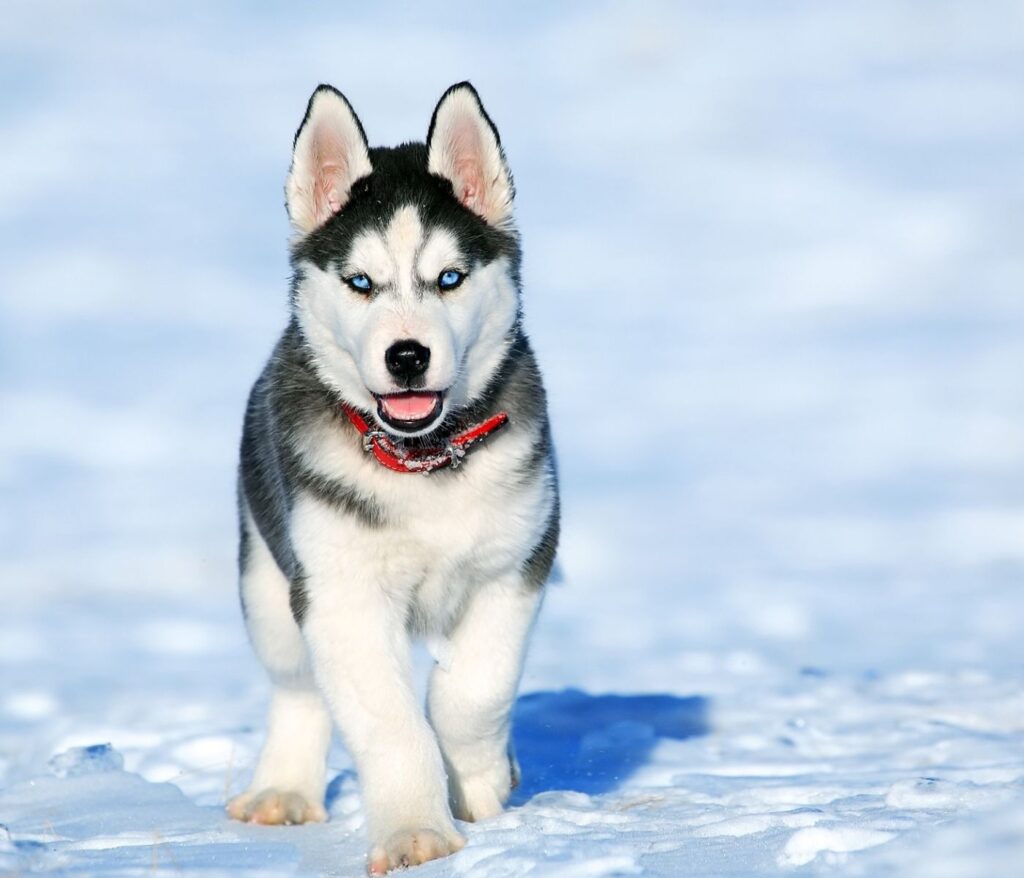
(444, 533)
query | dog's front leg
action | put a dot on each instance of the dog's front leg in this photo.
(471, 699)
(360, 651)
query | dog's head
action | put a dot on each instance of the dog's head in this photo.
(406, 259)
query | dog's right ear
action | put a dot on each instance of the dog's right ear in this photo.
(329, 155)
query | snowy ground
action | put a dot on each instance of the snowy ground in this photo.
(774, 273)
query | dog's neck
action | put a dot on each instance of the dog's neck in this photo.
(399, 457)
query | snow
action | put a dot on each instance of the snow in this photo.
(773, 275)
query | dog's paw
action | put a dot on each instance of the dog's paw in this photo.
(480, 797)
(412, 847)
(275, 808)
(483, 794)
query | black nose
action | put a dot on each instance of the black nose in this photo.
(407, 359)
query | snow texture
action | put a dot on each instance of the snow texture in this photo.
(773, 272)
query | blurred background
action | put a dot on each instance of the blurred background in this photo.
(773, 272)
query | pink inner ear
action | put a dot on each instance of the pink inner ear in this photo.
(470, 188)
(467, 164)
(330, 171)
(328, 196)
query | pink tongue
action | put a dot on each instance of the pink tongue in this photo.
(409, 406)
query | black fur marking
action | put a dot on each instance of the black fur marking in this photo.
(538, 566)
(298, 597)
(516, 388)
(244, 546)
(540, 453)
(262, 476)
(340, 496)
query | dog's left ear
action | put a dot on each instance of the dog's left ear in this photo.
(464, 148)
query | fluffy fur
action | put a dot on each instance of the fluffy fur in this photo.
(342, 561)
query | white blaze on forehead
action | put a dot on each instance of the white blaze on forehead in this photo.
(440, 252)
(404, 236)
(388, 257)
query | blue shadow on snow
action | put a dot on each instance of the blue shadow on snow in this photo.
(572, 740)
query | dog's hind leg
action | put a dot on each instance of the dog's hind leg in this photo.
(289, 782)
(471, 698)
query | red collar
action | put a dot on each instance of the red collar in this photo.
(395, 456)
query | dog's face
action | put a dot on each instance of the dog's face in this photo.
(406, 260)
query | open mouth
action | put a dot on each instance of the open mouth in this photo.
(410, 411)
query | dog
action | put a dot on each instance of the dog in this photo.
(397, 480)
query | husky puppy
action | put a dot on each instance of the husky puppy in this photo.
(397, 480)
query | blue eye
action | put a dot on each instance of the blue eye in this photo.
(360, 283)
(450, 279)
